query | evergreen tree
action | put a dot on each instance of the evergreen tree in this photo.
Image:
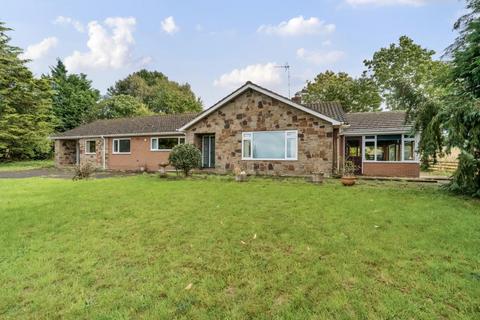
(25, 106)
(74, 98)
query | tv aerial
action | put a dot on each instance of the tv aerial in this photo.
(286, 67)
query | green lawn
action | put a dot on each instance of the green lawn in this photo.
(25, 165)
(141, 247)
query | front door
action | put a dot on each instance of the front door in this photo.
(208, 151)
(353, 152)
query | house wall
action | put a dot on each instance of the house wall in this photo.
(95, 159)
(253, 111)
(65, 153)
(391, 169)
(140, 156)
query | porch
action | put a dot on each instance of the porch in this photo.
(383, 154)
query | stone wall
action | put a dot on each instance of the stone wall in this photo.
(96, 159)
(254, 111)
(65, 153)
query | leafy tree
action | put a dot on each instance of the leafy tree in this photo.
(406, 65)
(25, 106)
(355, 95)
(461, 117)
(185, 157)
(120, 106)
(409, 79)
(157, 92)
(73, 99)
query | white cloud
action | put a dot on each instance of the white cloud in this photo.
(169, 26)
(61, 20)
(415, 3)
(38, 50)
(263, 74)
(110, 46)
(298, 26)
(320, 57)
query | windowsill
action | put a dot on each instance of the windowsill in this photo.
(266, 159)
(405, 161)
(90, 153)
(161, 150)
(120, 153)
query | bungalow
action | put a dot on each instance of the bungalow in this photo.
(256, 130)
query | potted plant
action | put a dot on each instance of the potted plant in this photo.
(163, 169)
(240, 175)
(317, 177)
(348, 177)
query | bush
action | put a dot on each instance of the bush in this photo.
(83, 171)
(185, 157)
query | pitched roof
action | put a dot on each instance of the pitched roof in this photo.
(168, 123)
(249, 85)
(331, 109)
(385, 121)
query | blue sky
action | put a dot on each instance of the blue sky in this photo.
(217, 45)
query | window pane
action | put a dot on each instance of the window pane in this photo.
(181, 140)
(167, 143)
(154, 144)
(291, 148)
(370, 137)
(369, 150)
(269, 145)
(247, 149)
(409, 150)
(115, 145)
(388, 148)
(91, 146)
(124, 145)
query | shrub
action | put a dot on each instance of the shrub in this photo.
(185, 157)
(83, 171)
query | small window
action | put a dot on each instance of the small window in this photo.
(165, 143)
(409, 150)
(370, 150)
(121, 145)
(90, 146)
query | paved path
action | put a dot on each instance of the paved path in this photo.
(54, 173)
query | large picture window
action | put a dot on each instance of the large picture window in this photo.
(390, 148)
(165, 143)
(121, 146)
(270, 145)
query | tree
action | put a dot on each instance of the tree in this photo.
(355, 95)
(25, 106)
(405, 65)
(157, 92)
(409, 79)
(185, 157)
(120, 106)
(461, 117)
(74, 98)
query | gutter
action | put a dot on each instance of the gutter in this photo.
(116, 135)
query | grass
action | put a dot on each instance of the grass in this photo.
(144, 248)
(25, 165)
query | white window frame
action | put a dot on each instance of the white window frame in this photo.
(402, 148)
(165, 137)
(118, 152)
(86, 146)
(251, 133)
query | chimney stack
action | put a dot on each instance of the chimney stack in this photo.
(297, 98)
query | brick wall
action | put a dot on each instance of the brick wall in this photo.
(253, 111)
(382, 169)
(140, 156)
